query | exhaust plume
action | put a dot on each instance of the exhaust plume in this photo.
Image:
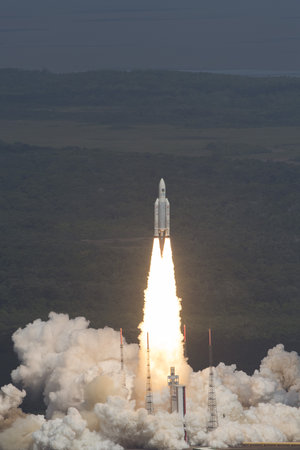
(162, 319)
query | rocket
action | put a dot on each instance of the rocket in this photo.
(161, 216)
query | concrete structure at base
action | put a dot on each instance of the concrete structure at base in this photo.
(181, 402)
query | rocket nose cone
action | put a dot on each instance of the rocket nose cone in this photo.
(162, 188)
(162, 184)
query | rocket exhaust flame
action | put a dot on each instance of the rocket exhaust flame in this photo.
(162, 316)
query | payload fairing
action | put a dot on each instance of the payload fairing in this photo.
(161, 215)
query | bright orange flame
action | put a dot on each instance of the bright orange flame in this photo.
(162, 317)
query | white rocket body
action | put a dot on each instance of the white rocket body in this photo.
(161, 215)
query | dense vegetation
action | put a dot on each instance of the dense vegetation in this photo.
(72, 223)
(76, 224)
(112, 97)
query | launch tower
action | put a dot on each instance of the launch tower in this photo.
(177, 394)
(173, 381)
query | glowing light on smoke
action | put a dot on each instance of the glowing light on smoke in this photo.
(162, 316)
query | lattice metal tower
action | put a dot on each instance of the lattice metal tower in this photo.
(122, 359)
(212, 422)
(149, 397)
(184, 341)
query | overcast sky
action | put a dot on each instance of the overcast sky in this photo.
(68, 35)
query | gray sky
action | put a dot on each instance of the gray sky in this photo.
(68, 35)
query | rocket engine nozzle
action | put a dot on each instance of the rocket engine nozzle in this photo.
(162, 239)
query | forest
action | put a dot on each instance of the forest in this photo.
(77, 222)
(152, 97)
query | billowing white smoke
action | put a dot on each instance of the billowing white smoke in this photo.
(278, 379)
(263, 407)
(16, 428)
(10, 397)
(78, 371)
(70, 433)
(284, 368)
(62, 357)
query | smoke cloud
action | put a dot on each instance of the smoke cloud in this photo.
(61, 357)
(10, 398)
(78, 371)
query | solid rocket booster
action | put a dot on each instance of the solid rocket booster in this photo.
(161, 215)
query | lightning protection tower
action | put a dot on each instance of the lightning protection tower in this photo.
(184, 341)
(212, 422)
(122, 359)
(149, 397)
